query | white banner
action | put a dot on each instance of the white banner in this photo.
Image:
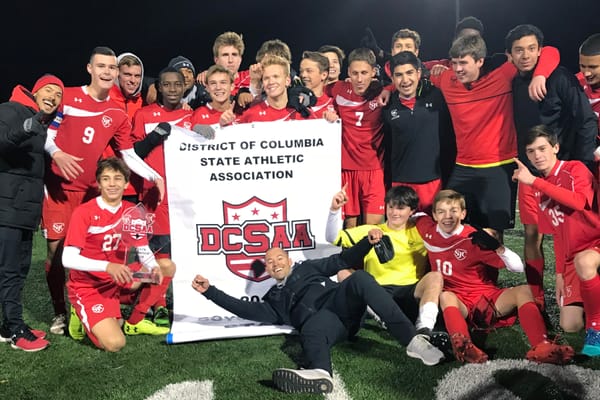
(230, 199)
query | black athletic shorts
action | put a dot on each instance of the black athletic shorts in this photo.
(490, 194)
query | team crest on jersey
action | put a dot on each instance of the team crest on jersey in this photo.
(106, 121)
(58, 227)
(137, 222)
(187, 125)
(373, 105)
(97, 308)
(460, 254)
(394, 114)
(248, 231)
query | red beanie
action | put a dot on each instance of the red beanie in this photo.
(47, 79)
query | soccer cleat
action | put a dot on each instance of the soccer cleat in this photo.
(419, 347)
(58, 325)
(551, 353)
(439, 339)
(161, 317)
(465, 351)
(76, 329)
(25, 340)
(145, 327)
(6, 336)
(302, 380)
(591, 345)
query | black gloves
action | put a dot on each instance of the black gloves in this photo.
(384, 249)
(300, 98)
(153, 139)
(33, 125)
(484, 240)
(369, 41)
(163, 130)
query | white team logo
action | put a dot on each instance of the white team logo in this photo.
(394, 114)
(460, 254)
(97, 308)
(106, 121)
(187, 125)
(58, 227)
(373, 105)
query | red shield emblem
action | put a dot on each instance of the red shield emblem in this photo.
(250, 264)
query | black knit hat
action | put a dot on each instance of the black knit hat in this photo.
(182, 62)
(469, 23)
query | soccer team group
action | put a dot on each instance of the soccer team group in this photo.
(426, 146)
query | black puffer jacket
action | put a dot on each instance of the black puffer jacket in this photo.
(21, 163)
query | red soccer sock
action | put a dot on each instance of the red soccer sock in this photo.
(532, 323)
(149, 296)
(455, 322)
(534, 270)
(590, 293)
(55, 278)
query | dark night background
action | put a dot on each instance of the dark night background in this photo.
(57, 37)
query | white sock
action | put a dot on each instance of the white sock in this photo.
(428, 313)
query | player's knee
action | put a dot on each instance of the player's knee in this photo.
(571, 325)
(113, 344)
(586, 264)
(447, 299)
(167, 267)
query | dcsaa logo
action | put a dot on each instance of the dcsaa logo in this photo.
(249, 230)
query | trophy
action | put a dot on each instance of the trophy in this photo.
(135, 229)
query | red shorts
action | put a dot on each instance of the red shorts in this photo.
(572, 293)
(365, 191)
(94, 304)
(471, 299)
(528, 200)
(56, 212)
(426, 192)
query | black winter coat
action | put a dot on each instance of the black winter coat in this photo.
(21, 163)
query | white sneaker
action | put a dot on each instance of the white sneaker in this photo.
(58, 325)
(419, 347)
(302, 380)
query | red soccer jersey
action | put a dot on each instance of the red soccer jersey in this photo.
(362, 128)
(263, 112)
(463, 265)
(88, 125)
(592, 94)
(98, 232)
(482, 115)
(574, 229)
(206, 115)
(144, 122)
(323, 104)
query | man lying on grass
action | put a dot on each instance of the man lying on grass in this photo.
(323, 311)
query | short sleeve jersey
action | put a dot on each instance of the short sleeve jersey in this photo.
(98, 232)
(206, 115)
(574, 230)
(463, 265)
(362, 128)
(145, 120)
(87, 127)
(263, 112)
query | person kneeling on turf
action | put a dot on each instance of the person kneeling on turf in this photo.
(95, 252)
(464, 255)
(323, 311)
